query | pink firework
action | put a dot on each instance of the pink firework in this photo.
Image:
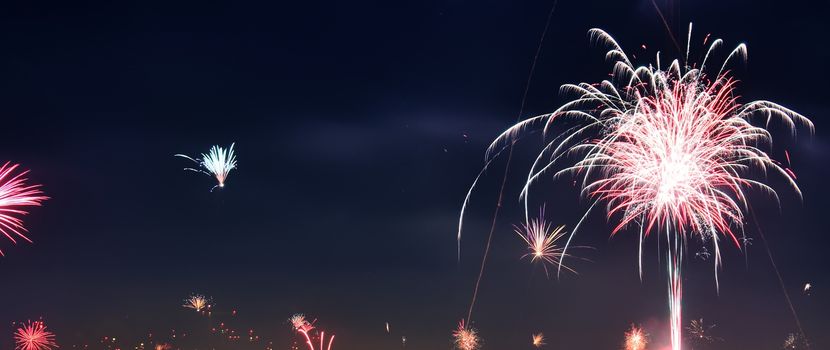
(14, 194)
(34, 336)
(667, 150)
(304, 328)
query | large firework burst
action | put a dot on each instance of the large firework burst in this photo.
(14, 194)
(666, 149)
(465, 337)
(34, 336)
(218, 163)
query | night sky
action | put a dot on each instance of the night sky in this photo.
(359, 126)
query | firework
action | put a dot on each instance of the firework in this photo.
(808, 288)
(538, 340)
(302, 326)
(699, 332)
(34, 336)
(14, 194)
(796, 341)
(218, 163)
(542, 242)
(466, 338)
(668, 150)
(635, 338)
(198, 302)
(163, 346)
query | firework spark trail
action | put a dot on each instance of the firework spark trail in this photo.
(14, 194)
(667, 149)
(778, 275)
(218, 163)
(34, 336)
(506, 168)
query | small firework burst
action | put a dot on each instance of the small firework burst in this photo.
(218, 163)
(796, 341)
(163, 346)
(635, 338)
(699, 332)
(542, 242)
(14, 194)
(198, 302)
(300, 324)
(466, 338)
(34, 336)
(538, 340)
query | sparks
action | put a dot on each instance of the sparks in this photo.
(198, 302)
(218, 163)
(34, 336)
(538, 340)
(14, 194)
(796, 342)
(699, 332)
(667, 150)
(466, 338)
(635, 338)
(542, 242)
(304, 328)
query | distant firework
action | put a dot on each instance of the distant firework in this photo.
(34, 336)
(14, 195)
(538, 340)
(666, 149)
(699, 332)
(198, 302)
(163, 346)
(635, 339)
(304, 328)
(299, 323)
(795, 341)
(218, 163)
(466, 338)
(542, 241)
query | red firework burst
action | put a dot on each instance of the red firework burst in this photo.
(34, 336)
(14, 194)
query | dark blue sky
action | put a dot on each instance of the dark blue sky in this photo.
(359, 126)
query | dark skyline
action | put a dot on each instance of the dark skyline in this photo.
(359, 127)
